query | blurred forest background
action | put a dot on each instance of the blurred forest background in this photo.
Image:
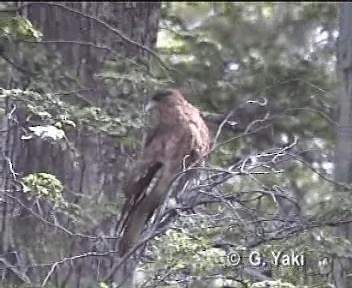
(273, 81)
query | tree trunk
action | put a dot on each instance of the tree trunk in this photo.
(102, 162)
(138, 21)
(343, 153)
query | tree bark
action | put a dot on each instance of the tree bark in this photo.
(102, 162)
(343, 153)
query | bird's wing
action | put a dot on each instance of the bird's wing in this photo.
(145, 188)
(164, 153)
(137, 188)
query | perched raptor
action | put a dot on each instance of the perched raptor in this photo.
(180, 139)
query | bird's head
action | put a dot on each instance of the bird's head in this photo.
(164, 99)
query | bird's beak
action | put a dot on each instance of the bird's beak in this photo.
(150, 106)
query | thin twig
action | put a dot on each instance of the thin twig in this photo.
(104, 24)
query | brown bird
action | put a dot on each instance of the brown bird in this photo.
(180, 139)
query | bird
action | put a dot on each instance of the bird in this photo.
(180, 139)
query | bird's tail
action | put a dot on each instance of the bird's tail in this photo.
(133, 229)
(135, 222)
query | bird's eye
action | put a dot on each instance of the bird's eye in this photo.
(161, 94)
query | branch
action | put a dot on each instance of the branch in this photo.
(115, 31)
(18, 67)
(82, 43)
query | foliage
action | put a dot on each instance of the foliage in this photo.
(274, 284)
(56, 110)
(19, 27)
(44, 185)
(230, 53)
(183, 253)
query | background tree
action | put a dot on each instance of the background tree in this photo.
(343, 132)
(79, 39)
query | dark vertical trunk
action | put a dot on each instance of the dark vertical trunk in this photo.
(137, 21)
(343, 153)
(97, 172)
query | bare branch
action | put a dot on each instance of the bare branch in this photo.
(104, 24)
